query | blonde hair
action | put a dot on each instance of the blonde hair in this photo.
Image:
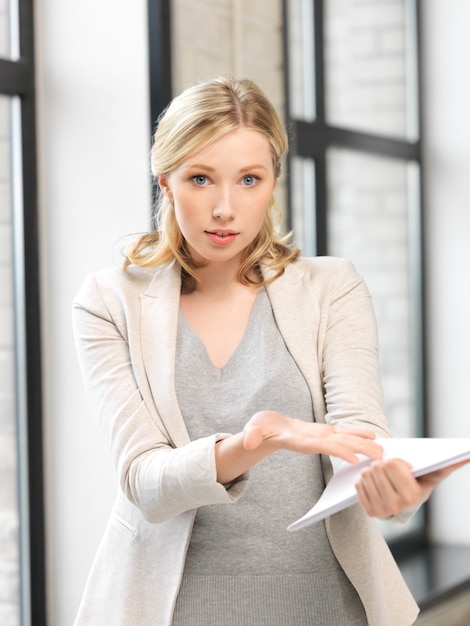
(197, 117)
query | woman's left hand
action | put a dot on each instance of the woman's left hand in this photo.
(387, 487)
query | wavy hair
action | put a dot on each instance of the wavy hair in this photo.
(197, 117)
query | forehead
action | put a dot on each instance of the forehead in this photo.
(240, 145)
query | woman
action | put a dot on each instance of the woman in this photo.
(225, 370)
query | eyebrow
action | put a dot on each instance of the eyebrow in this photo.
(208, 168)
(256, 166)
(200, 166)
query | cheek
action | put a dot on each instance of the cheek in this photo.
(261, 213)
(185, 209)
(261, 207)
(182, 219)
(188, 218)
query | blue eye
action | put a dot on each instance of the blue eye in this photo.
(249, 180)
(199, 179)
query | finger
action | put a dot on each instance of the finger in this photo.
(370, 493)
(389, 488)
(345, 447)
(348, 446)
(359, 432)
(364, 499)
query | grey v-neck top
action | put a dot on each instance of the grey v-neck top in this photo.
(242, 566)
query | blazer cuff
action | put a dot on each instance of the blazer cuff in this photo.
(198, 475)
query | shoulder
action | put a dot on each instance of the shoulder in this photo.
(119, 284)
(322, 265)
(322, 270)
(323, 280)
(117, 278)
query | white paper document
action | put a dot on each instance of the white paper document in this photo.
(424, 454)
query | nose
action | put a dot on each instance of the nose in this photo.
(224, 206)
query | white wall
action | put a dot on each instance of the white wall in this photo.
(93, 164)
(446, 100)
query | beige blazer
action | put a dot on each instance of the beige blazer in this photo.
(125, 326)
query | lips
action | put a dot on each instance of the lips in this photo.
(221, 237)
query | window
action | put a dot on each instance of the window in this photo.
(159, 36)
(21, 500)
(355, 172)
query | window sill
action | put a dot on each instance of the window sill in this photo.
(434, 573)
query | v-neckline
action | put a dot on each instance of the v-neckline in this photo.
(234, 358)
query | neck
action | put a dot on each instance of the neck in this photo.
(219, 279)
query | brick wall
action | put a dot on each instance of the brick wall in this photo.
(228, 37)
(366, 70)
(9, 566)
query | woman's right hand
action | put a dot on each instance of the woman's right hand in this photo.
(269, 429)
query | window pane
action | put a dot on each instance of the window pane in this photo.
(9, 39)
(301, 59)
(370, 66)
(373, 220)
(303, 212)
(9, 515)
(4, 28)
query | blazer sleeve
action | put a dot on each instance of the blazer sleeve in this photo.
(160, 479)
(350, 363)
(351, 375)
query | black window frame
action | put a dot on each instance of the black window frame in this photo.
(159, 44)
(17, 78)
(160, 70)
(312, 140)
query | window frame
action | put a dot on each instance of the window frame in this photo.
(159, 43)
(312, 139)
(160, 71)
(17, 79)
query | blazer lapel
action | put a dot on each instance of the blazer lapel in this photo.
(159, 311)
(297, 315)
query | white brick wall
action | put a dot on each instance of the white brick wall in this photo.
(366, 80)
(229, 37)
(9, 565)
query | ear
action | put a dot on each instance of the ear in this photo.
(164, 185)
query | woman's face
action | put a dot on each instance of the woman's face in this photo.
(221, 195)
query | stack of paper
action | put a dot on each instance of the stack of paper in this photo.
(424, 455)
